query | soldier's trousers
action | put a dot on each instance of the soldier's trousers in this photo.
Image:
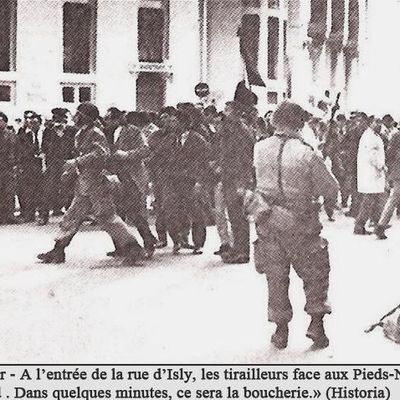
(103, 208)
(158, 187)
(132, 204)
(308, 254)
(55, 196)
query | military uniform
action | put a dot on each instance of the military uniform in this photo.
(92, 194)
(290, 178)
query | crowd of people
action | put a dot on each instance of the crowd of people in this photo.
(197, 163)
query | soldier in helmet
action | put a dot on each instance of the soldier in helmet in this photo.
(92, 191)
(290, 178)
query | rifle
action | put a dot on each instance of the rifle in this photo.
(334, 110)
(380, 322)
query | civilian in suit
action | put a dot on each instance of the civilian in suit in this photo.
(128, 154)
(185, 174)
(57, 147)
(29, 166)
(156, 162)
(112, 121)
(236, 162)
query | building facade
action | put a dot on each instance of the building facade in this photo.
(143, 54)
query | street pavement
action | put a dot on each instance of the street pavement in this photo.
(184, 309)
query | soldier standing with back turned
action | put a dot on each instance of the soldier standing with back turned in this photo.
(290, 178)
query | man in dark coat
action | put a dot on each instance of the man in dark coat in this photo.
(236, 162)
(185, 174)
(156, 162)
(393, 164)
(30, 166)
(6, 172)
(112, 121)
(57, 147)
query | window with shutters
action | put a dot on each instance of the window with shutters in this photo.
(7, 91)
(273, 47)
(7, 35)
(272, 97)
(75, 93)
(251, 3)
(78, 37)
(151, 34)
(274, 4)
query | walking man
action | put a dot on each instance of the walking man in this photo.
(92, 191)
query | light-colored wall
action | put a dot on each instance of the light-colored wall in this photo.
(40, 58)
(184, 51)
(224, 62)
(116, 52)
(39, 54)
(376, 90)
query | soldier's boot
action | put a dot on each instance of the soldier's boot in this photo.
(316, 332)
(43, 219)
(132, 253)
(161, 244)
(150, 246)
(176, 249)
(118, 252)
(54, 256)
(380, 232)
(115, 253)
(280, 338)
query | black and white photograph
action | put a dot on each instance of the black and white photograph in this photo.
(199, 181)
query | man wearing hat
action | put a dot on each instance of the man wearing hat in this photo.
(57, 147)
(112, 124)
(29, 166)
(92, 191)
(290, 177)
